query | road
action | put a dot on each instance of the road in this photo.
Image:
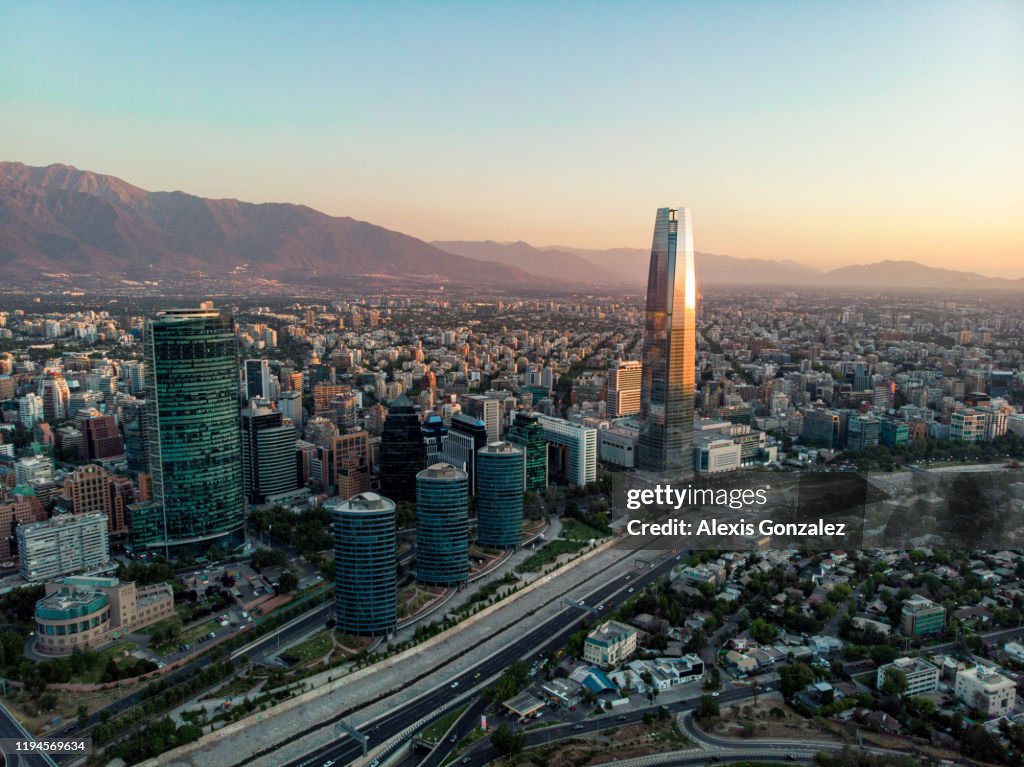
(11, 728)
(546, 638)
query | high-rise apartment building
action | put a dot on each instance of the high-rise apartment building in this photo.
(65, 544)
(442, 525)
(499, 495)
(30, 409)
(101, 439)
(624, 387)
(268, 453)
(352, 463)
(669, 347)
(93, 490)
(365, 564)
(55, 394)
(193, 434)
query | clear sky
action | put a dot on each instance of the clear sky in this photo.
(828, 133)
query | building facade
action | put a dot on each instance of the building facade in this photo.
(572, 449)
(527, 433)
(669, 347)
(193, 432)
(94, 611)
(268, 453)
(365, 564)
(65, 544)
(609, 644)
(402, 453)
(442, 525)
(499, 496)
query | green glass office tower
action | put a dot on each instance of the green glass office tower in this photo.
(365, 564)
(527, 434)
(193, 433)
(499, 495)
(442, 525)
(669, 350)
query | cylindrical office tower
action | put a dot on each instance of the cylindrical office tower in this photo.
(499, 495)
(365, 564)
(442, 525)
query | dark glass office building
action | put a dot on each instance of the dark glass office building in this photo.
(527, 434)
(193, 433)
(442, 525)
(499, 496)
(666, 397)
(365, 564)
(402, 454)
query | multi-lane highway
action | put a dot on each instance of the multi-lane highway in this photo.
(11, 729)
(546, 638)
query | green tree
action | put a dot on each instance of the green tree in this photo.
(707, 710)
(507, 741)
(894, 682)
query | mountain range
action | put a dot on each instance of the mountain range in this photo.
(58, 219)
(61, 219)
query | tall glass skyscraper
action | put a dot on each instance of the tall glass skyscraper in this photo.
(442, 525)
(527, 433)
(193, 433)
(365, 564)
(499, 495)
(402, 452)
(666, 398)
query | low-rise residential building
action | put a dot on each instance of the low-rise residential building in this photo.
(921, 616)
(663, 673)
(609, 644)
(985, 690)
(922, 677)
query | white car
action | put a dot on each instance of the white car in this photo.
(454, 685)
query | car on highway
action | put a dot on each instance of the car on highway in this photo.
(329, 763)
(581, 603)
(454, 685)
(715, 694)
(476, 675)
(621, 718)
(631, 589)
(577, 726)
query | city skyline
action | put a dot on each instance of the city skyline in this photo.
(795, 142)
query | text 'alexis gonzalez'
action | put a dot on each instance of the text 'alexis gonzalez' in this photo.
(665, 496)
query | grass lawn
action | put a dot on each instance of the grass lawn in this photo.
(434, 732)
(317, 646)
(549, 553)
(574, 530)
(188, 636)
(121, 653)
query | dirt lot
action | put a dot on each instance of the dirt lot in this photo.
(771, 718)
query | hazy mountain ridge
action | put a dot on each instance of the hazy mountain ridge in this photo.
(553, 263)
(61, 219)
(716, 269)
